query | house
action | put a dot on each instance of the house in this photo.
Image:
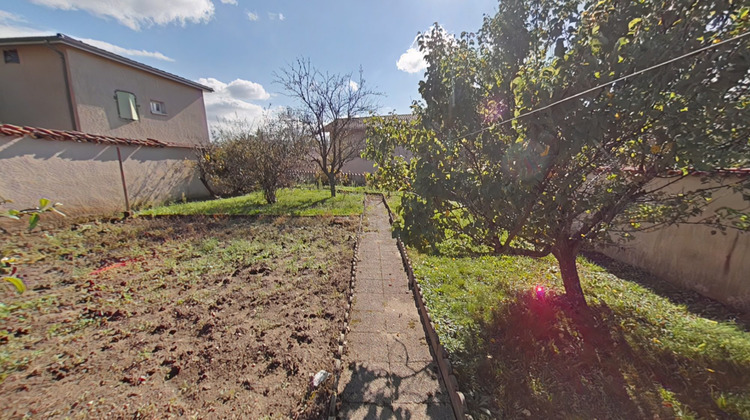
(356, 135)
(57, 82)
(94, 130)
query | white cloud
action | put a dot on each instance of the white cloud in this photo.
(14, 31)
(353, 85)
(412, 61)
(137, 13)
(125, 51)
(274, 16)
(13, 25)
(232, 2)
(10, 17)
(281, 16)
(230, 100)
(245, 89)
(252, 16)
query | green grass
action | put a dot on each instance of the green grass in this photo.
(645, 348)
(290, 202)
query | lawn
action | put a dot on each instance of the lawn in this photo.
(187, 317)
(645, 350)
(290, 201)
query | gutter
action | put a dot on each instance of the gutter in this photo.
(68, 90)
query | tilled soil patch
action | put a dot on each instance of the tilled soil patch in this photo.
(181, 317)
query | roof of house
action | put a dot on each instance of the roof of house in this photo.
(11, 130)
(358, 123)
(74, 43)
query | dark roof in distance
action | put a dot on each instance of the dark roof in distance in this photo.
(74, 43)
(11, 130)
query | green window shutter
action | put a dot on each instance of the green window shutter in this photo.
(126, 105)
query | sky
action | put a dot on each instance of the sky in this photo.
(236, 46)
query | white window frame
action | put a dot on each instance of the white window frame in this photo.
(158, 107)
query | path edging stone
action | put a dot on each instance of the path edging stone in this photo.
(457, 399)
(339, 352)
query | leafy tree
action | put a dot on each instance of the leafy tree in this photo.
(243, 159)
(596, 167)
(328, 103)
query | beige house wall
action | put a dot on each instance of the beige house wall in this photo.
(359, 165)
(33, 92)
(85, 177)
(714, 264)
(94, 81)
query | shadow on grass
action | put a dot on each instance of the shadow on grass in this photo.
(693, 301)
(549, 359)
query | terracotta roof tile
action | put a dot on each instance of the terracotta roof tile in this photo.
(77, 136)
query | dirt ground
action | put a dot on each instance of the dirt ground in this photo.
(191, 317)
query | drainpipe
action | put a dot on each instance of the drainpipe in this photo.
(68, 90)
(124, 186)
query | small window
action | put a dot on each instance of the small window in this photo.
(127, 108)
(158, 108)
(11, 56)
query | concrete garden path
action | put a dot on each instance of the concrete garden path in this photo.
(388, 369)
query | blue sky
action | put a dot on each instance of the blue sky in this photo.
(235, 46)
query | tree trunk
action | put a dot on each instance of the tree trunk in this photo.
(208, 187)
(332, 183)
(270, 194)
(566, 257)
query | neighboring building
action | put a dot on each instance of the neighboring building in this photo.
(95, 131)
(357, 135)
(57, 82)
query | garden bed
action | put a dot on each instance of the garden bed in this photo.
(176, 317)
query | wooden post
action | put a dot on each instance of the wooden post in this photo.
(124, 186)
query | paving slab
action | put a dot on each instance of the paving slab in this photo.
(366, 382)
(367, 347)
(368, 321)
(389, 371)
(407, 348)
(369, 286)
(417, 382)
(375, 302)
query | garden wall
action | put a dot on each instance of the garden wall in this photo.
(85, 176)
(714, 264)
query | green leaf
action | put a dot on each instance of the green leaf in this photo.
(33, 221)
(18, 283)
(43, 203)
(633, 23)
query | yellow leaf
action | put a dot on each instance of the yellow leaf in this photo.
(18, 283)
(655, 149)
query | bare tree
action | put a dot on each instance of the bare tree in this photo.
(327, 105)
